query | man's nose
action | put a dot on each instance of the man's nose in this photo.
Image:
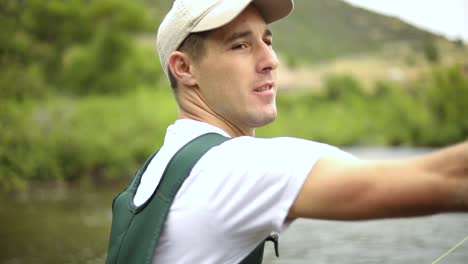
(268, 60)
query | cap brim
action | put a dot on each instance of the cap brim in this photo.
(225, 11)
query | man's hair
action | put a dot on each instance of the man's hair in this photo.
(194, 46)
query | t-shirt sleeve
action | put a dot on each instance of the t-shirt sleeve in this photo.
(253, 181)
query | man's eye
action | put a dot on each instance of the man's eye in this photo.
(240, 46)
(269, 42)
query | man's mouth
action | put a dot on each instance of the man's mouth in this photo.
(264, 87)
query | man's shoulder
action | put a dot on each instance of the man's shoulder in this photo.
(290, 145)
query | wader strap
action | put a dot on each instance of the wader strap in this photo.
(135, 231)
(256, 256)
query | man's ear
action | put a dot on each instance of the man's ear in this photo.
(181, 67)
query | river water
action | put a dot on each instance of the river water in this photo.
(62, 226)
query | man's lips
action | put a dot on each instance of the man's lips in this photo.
(265, 87)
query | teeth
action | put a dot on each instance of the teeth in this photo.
(264, 88)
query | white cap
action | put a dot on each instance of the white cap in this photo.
(187, 16)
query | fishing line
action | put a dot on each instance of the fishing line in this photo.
(450, 250)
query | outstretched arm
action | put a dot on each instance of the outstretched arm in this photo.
(353, 189)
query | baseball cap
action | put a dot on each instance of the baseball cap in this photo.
(188, 16)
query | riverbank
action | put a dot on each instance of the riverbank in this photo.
(106, 138)
(72, 225)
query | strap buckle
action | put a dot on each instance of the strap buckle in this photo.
(275, 239)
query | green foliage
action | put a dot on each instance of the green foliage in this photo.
(73, 47)
(85, 72)
(339, 87)
(447, 99)
(69, 107)
(18, 82)
(106, 137)
(400, 118)
(68, 139)
(433, 114)
(431, 52)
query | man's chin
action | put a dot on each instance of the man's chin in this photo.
(266, 120)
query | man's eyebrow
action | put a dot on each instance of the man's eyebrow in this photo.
(238, 35)
(243, 34)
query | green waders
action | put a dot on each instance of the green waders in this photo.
(135, 230)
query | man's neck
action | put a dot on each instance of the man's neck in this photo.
(217, 121)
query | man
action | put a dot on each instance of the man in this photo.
(219, 58)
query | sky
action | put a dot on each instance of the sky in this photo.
(445, 17)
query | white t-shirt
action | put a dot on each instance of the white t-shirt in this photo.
(236, 195)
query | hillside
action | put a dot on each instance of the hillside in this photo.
(323, 29)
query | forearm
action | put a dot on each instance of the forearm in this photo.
(353, 190)
(432, 183)
(385, 189)
(407, 189)
(451, 166)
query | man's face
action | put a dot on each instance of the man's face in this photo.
(237, 76)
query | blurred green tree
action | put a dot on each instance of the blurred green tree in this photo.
(431, 52)
(447, 99)
(339, 87)
(73, 46)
